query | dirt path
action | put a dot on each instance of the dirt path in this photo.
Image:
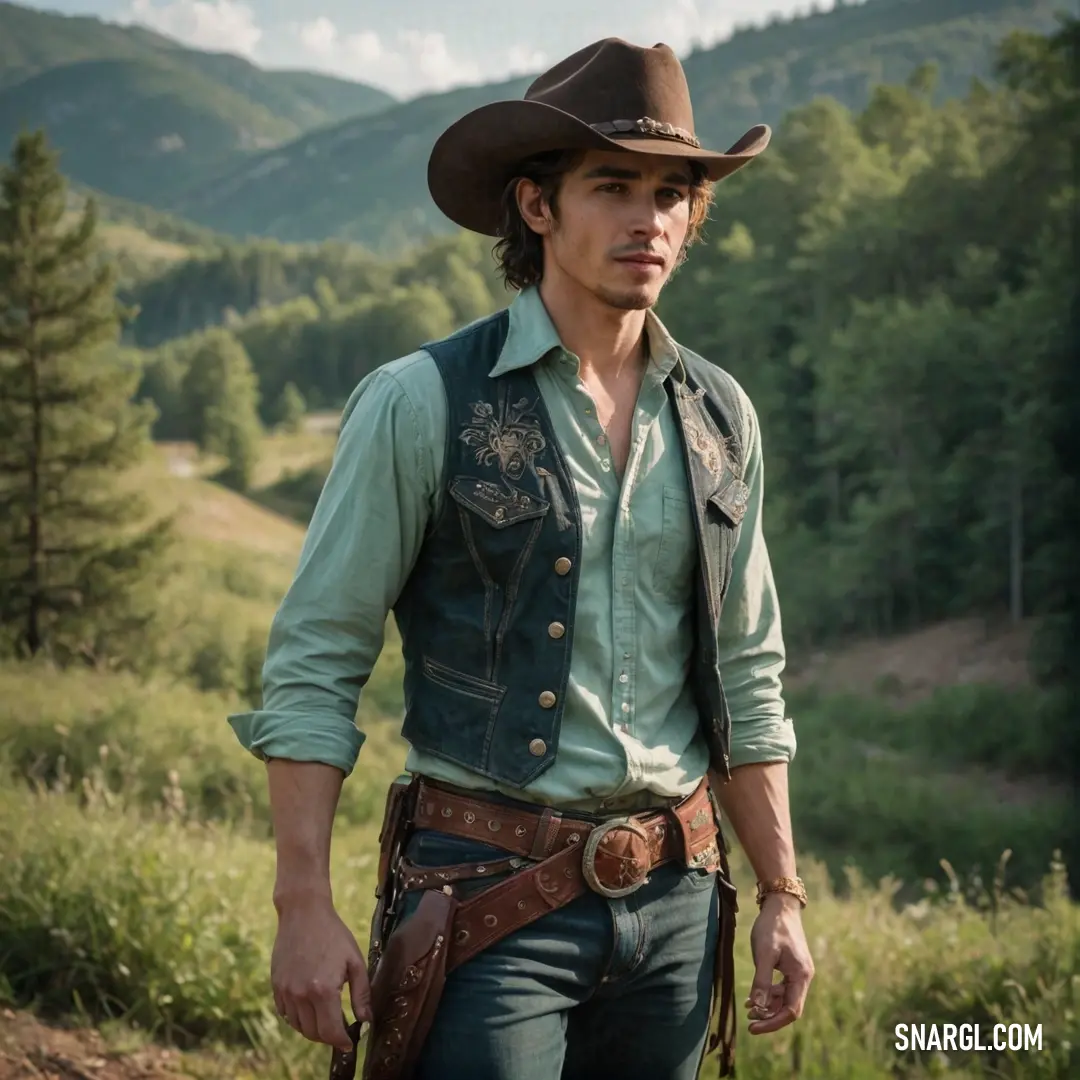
(910, 667)
(30, 1050)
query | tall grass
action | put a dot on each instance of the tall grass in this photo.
(148, 922)
(167, 924)
(136, 867)
(136, 739)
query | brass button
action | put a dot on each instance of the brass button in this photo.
(556, 630)
(538, 748)
(562, 566)
(547, 699)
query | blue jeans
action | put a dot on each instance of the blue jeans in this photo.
(598, 989)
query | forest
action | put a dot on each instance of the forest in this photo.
(892, 287)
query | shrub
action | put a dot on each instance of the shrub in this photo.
(892, 792)
(165, 924)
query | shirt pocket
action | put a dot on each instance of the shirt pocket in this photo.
(675, 557)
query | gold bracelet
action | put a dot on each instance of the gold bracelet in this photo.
(791, 886)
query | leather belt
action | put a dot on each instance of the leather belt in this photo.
(638, 842)
(569, 855)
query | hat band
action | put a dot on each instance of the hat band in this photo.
(646, 126)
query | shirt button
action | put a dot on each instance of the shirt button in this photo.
(562, 566)
(538, 748)
(556, 630)
(624, 677)
(601, 440)
(605, 465)
(547, 699)
(626, 706)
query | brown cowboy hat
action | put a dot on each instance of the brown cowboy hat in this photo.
(611, 95)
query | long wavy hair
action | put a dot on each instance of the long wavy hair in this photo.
(519, 252)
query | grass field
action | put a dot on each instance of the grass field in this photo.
(136, 868)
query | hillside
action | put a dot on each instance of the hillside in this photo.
(156, 223)
(160, 127)
(365, 180)
(96, 869)
(140, 115)
(847, 51)
(33, 42)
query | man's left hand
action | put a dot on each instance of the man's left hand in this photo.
(778, 943)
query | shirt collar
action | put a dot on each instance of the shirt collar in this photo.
(531, 336)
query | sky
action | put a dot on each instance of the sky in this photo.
(409, 47)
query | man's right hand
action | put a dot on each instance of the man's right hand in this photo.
(315, 954)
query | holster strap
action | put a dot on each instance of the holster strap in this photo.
(412, 877)
(724, 976)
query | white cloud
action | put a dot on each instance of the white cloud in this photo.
(434, 63)
(523, 60)
(689, 22)
(364, 48)
(409, 62)
(319, 37)
(217, 25)
(685, 23)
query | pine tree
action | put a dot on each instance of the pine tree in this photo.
(77, 563)
(221, 397)
(290, 410)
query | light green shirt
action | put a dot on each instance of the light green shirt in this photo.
(630, 728)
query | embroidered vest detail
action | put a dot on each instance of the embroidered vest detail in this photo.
(487, 615)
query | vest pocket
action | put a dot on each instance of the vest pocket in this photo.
(498, 505)
(672, 572)
(730, 500)
(450, 679)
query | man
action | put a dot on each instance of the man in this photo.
(563, 509)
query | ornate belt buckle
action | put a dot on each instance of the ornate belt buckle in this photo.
(617, 858)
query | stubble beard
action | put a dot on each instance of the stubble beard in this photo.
(628, 299)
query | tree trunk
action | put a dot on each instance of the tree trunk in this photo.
(35, 538)
(1016, 545)
(835, 506)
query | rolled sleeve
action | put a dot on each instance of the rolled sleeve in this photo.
(750, 638)
(365, 534)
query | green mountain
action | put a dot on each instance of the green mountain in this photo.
(141, 116)
(845, 52)
(364, 180)
(138, 129)
(33, 41)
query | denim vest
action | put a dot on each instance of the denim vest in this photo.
(487, 615)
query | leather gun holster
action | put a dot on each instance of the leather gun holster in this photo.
(406, 988)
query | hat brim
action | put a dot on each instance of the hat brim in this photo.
(475, 158)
